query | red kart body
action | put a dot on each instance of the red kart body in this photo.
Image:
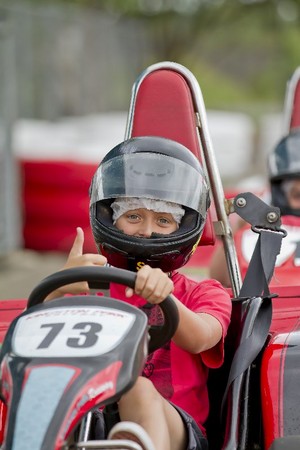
(167, 101)
(280, 367)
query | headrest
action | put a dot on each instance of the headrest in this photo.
(164, 107)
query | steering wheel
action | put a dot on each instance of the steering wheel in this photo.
(98, 277)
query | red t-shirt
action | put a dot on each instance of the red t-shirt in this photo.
(178, 375)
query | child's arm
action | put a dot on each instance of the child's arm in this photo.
(218, 269)
(195, 332)
(76, 258)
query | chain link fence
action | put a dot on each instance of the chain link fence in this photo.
(58, 60)
(73, 61)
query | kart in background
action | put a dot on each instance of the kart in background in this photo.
(254, 397)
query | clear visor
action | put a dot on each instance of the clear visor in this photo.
(150, 175)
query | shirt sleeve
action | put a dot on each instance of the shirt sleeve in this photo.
(210, 297)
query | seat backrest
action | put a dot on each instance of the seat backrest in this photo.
(162, 105)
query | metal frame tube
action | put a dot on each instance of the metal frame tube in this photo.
(209, 159)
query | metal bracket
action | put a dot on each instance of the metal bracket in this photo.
(219, 228)
(256, 212)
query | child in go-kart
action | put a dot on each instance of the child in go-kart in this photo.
(284, 178)
(148, 205)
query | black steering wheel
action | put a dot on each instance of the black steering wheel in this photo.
(98, 277)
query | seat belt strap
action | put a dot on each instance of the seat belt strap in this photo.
(256, 282)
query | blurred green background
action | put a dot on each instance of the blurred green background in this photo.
(78, 60)
(74, 57)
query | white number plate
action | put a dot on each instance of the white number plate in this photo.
(70, 331)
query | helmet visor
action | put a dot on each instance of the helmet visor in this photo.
(150, 175)
(285, 162)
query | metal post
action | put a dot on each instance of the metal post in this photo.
(10, 232)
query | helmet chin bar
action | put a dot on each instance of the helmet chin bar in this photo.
(167, 261)
(167, 252)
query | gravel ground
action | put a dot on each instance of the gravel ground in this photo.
(22, 270)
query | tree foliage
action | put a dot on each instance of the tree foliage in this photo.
(252, 44)
(241, 50)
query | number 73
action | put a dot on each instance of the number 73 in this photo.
(87, 337)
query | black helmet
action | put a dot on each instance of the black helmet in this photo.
(149, 167)
(284, 164)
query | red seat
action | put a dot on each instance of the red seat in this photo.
(163, 106)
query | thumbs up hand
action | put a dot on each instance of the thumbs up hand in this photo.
(77, 258)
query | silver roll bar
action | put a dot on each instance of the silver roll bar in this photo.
(222, 226)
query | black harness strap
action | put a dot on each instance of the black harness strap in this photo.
(265, 220)
(262, 264)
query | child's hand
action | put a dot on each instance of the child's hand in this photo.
(152, 284)
(76, 258)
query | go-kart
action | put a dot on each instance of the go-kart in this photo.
(62, 359)
(287, 263)
(254, 397)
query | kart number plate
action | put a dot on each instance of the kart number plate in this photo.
(71, 332)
